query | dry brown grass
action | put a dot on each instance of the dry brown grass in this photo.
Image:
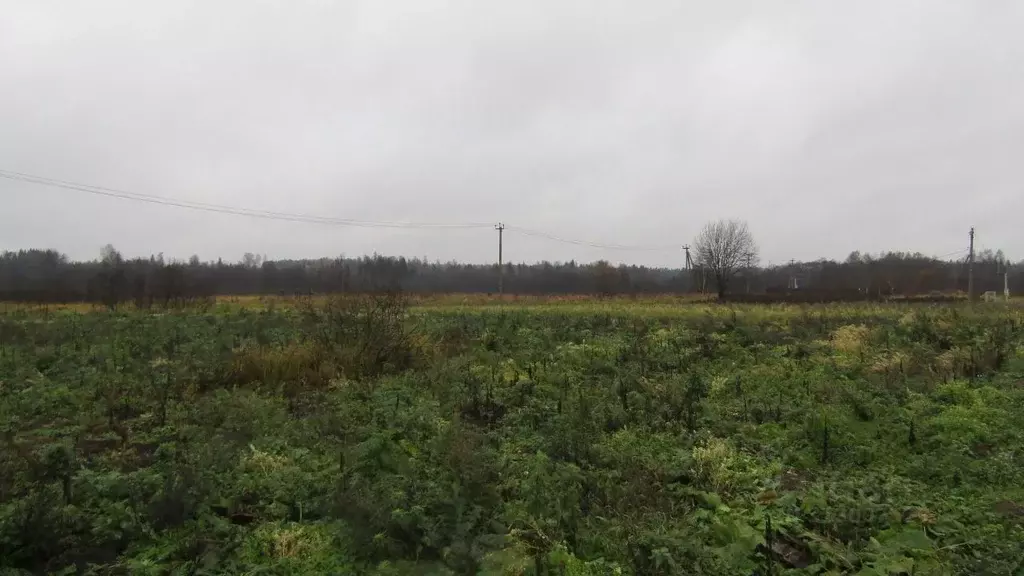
(470, 300)
(851, 338)
(272, 365)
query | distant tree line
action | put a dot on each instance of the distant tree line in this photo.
(48, 276)
(897, 273)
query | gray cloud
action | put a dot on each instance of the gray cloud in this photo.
(829, 126)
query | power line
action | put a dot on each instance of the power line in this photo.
(311, 219)
(224, 209)
(953, 253)
(539, 234)
(293, 217)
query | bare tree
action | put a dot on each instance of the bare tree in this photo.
(723, 248)
(250, 260)
(109, 255)
(112, 280)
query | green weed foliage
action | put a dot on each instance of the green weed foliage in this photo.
(360, 436)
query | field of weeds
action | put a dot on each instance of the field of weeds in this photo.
(467, 435)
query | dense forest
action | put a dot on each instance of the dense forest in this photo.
(49, 276)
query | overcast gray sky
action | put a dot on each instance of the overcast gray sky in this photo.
(829, 126)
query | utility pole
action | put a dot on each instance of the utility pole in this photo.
(689, 269)
(970, 269)
(689, 266)
(501, 261)
(750, 258)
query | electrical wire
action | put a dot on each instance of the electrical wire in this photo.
(539, 234)
(293, 217)
(224, 209)
(311, 219)
(953, 253)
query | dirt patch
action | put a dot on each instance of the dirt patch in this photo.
(89, 447)
(793, 480)
(788, 551)
(145, 452)
(1010, 508)
(982, 449)
(792, 553)
(137, 455)
(483, 413)
(922, 515)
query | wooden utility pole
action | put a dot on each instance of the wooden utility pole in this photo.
(501, 260)
(970, 269)
(750, 259)
(689, 269)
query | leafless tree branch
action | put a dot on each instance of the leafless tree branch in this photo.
(723, 248)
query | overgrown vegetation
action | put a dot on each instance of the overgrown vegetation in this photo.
(359, 436)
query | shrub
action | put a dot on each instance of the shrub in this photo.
(366, 335)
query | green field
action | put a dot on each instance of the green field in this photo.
(535, 437)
